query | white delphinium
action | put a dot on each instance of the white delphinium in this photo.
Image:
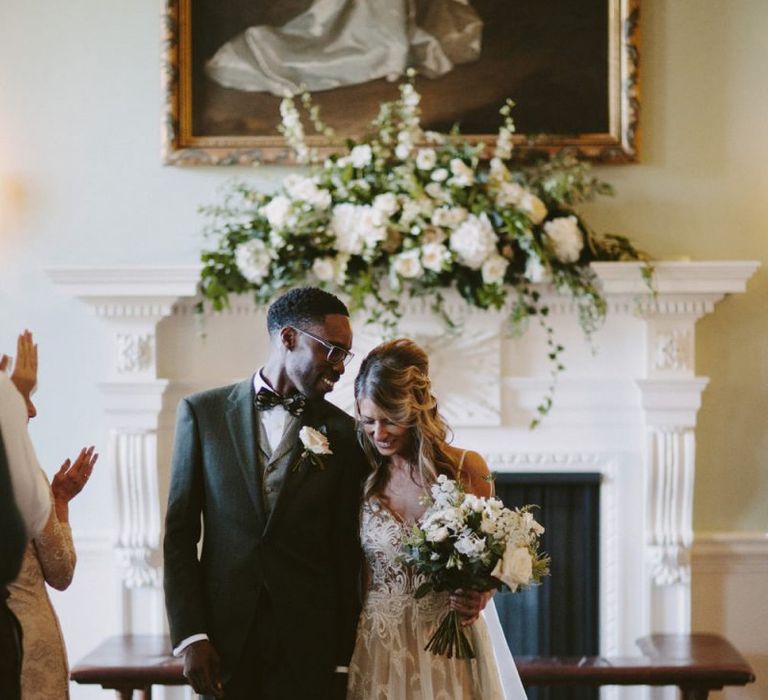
(435, 257)
(494, 269)
(253, 258)
(463, 175)
(564, 238)
(293, 130)
(473, 241)
(504, 139)
(407, 264)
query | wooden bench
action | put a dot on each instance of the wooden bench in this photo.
(695, 663)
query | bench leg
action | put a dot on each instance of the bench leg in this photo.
(694, 693)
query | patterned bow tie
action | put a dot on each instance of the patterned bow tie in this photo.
(267, 399)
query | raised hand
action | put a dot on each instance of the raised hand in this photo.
(24, 374)
(70, 479)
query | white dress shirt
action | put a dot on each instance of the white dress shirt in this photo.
(30, 489)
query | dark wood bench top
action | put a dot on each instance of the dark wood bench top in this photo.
(695, 661)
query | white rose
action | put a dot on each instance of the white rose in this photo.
(314, 441)
(407, 264)
(436, 191)
(463, 175)
(426, 158)
(438, 535)
(494, 268)
(515, 568)
(449, 216)
(277, 210)
(386, 204)
(253, 259)
(564, 238)
(434, 256)
(474, 241)
(360, 156)
(439, 175)
(323, 269)
(533, 207)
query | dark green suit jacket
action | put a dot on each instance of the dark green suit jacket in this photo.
(306, 554)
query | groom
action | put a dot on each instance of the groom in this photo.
(268, 609)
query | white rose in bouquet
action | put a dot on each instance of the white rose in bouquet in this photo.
(564, 238)
(355, 227)
(533, 207)
(360, 156)
(426, 158)
(474, 241)
(463, 175)
(515, 568)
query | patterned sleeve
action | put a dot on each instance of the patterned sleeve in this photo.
(56, 552)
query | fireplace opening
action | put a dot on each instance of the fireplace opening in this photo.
(561, 616)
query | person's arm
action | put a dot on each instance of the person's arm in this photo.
(14, 537)
(30, 488)
(54, 546)
(183, 577)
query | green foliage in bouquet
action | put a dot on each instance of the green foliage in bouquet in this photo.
(412, 212)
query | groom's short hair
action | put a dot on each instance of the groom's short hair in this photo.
(303, 306)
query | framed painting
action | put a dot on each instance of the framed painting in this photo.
(570, 67)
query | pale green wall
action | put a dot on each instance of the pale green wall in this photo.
(81, 183)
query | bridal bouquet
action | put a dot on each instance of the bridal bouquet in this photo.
(464, 541)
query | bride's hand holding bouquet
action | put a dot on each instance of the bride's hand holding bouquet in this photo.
(469, 543)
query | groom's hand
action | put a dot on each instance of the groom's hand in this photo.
(201, 669)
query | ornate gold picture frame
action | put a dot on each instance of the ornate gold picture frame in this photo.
(571, 67)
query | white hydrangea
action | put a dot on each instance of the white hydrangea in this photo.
(277, 211)
(253, 259)
(426, 158)
(355, 227)
(564, 238)
(407, 264)
(494, 269)
(435, 256)
(463, 175)
(474, 241)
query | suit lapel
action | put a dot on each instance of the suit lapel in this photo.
(240, 420)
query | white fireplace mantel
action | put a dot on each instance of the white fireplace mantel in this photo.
(627, 411)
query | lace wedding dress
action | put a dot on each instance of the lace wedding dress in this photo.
(347, 42)
(389, 661)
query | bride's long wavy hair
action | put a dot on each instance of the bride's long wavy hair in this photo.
(395, 377)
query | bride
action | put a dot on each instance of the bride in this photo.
(346, 42)
(404, 437)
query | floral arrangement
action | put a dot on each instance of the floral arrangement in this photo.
(408, 211)
(464, 541)
(315, 446)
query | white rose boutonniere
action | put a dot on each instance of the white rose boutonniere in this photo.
(315, 446)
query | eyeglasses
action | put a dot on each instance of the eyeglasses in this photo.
(335, 354)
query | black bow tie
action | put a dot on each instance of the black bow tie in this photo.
(267, 399)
